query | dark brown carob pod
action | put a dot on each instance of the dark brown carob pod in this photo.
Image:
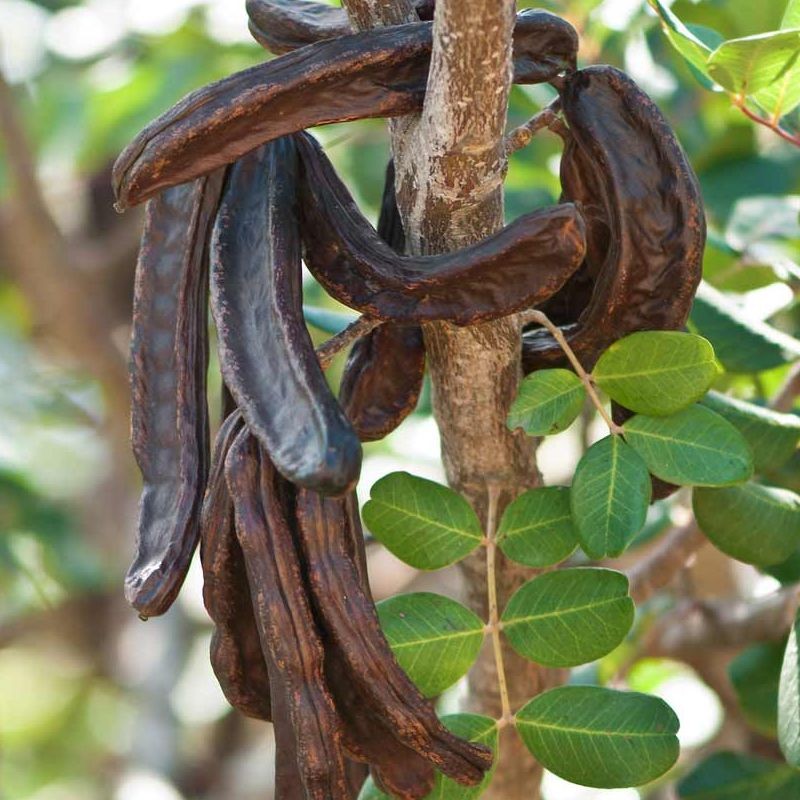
(646, 226)
(266, 354)
(378, 73)
(169, 414)
(349, 618)
(520, 266)
(288, 633)
(383, 376)
(236, 656)
(281, 26)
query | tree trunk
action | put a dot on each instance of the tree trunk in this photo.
(450, 164)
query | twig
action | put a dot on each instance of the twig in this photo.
(534, 315)
(494, 613)
(520, 137)
(659, 567)
(790, 389)
(327, 351)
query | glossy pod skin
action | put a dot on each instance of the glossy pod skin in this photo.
(378, 73)
(169, 414)
(281, 26)
(266, 354)
(236, 656)
(646, 226)
(349, 619)
(383, 376)
(518, 267)
(301, 702)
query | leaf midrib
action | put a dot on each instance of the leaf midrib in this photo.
(558, 613)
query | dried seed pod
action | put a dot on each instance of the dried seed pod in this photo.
(289, 637)
(266, 354)
(383, 376)
(397, 770)
(378, 73)
(350, 620)
(168, 362)
(281, 26)
(644, 211)
(236, 656)
(518, 267)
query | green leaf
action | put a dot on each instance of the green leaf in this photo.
(787, 572)
(783, 95)
(570, 616)
(772, 436)
(610, 494)
(328, 321)
(536, 529)
(692, 48)
(755, 674)
(752, 523)
(548, 402)
(657, 372)
(744, 66)
(742, 344)
(435, 639)
(600, 737)
(422, 522)
(473, 728)
(734, 776)
(694, 447)
(789, 699)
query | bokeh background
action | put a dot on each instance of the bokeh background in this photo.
(93, 702)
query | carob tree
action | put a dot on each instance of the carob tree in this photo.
(239, 195)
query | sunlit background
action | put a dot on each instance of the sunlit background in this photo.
(94, 703)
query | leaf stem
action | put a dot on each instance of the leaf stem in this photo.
(534, 315)
(740, 103)
(506, 717)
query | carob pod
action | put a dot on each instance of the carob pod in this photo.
(169, 414)
(236, 656)
(383, 376)
(378, 73)
(646, 226)
(396, 769)
(281, 26)
(349, 618)
(266, 354)
(287, 629)
(520, 266)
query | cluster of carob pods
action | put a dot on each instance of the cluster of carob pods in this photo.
(238, 195)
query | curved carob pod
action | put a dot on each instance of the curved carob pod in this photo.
(169, 413)
(518, 267)
(266, 354)
(349, 618)
(289, 638)
(383, 376)
(646, 226)
(281, 26)
(236, 656)
(378, 73)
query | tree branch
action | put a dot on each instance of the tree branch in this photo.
(660, 566)
(365, 14)
(726, 624)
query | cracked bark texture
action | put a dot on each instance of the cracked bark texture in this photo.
(450, 164)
